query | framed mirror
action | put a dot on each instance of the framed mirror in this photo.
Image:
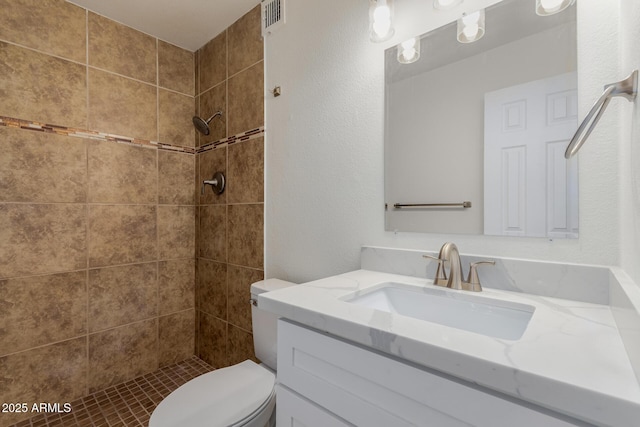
(481, 128)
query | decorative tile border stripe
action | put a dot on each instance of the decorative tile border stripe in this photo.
(176, 148)
(244, 136)
(84, 133)
(101, 136)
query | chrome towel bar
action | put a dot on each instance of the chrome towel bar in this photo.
(432, 205)
(627, 88)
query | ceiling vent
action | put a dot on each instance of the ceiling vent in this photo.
(272, 16)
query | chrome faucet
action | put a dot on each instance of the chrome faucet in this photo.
(449, 253)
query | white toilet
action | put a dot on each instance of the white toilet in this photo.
(239, 395)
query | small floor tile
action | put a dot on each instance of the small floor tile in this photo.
(129, 404)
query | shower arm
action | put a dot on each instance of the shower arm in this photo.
(202, 125)
(627, 88)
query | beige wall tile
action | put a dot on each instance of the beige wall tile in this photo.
(211, 162)
(198, 233)
(240, 280)
(176, 283)
(241, 99)
(39, 87)
(196, 109)
(197, 135)
(197, 330)
(176, 68)
(54, 373)
(175, 115)
(121, 295)
(176, 178)
(40, 310)
(245, 41)
(240, 346)
(212, 101)
(121, 173)
(212, 340)
(246, 239)
(53, 26)
(176, 232)
(40, 239)
(212, 235)
(196, 69)
(212, 288)
(246, 171)
(42, 167)
(122, 106)
(53, 169)
(123, 353)
(213, 62)
(121, 49)
(176, 337)
(121, 235)
(246, 100)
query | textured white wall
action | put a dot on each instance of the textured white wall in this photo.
(324, 155)
(630, 149)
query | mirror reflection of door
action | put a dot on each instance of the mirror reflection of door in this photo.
(529, 188)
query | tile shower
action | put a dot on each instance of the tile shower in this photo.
(230, 233)
(112, 265)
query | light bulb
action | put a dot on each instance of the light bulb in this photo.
(409, 54)
(409, 51)
(471, 31)
(380, 18)
(471, 27)
(471, 18)
(445, 4)
(381, 27)
(551, 5)
(409, 44)
(382, 13)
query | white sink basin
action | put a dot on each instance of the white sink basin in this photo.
(481, 315)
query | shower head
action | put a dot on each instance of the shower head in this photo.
(203, 125)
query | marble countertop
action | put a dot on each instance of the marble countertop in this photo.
(570, 358)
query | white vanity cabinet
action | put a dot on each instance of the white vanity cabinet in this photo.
(294, 410)
(325, 381)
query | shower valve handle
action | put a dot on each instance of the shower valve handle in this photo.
(217, 183)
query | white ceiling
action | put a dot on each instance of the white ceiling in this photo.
(185, 23)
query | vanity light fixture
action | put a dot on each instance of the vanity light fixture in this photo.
(409, 51)
(471, 26)
(380, 20)
(446, 4)
(550, 7)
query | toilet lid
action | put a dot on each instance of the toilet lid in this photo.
(220, 398)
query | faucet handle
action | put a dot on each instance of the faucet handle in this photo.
(473, 281)
(441, 275)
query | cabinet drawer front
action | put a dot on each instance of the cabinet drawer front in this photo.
(295, 411)
(353, 383)
(369, 389)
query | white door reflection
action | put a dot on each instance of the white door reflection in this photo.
(529, 188)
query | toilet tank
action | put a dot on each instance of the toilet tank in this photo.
(265, 337)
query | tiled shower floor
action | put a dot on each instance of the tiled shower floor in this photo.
(125, 405)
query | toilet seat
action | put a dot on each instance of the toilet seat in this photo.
(230, 396)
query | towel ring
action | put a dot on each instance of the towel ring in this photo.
(627, 88)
